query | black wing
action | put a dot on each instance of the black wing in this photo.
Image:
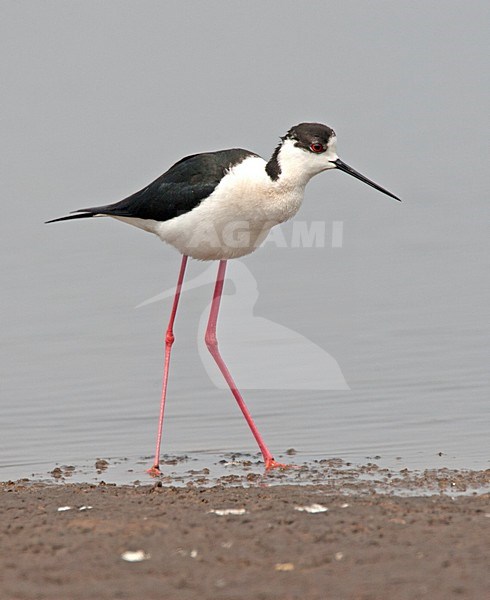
(183, 187)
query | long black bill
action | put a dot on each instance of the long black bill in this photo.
(349, 170)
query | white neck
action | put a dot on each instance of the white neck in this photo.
(298, 166)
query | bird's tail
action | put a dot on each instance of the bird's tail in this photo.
(84, 214)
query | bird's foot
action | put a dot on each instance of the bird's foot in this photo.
(154, 471)
(271, 463)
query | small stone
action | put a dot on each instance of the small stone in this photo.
(228, 511)
(312, 508)
(136, 556)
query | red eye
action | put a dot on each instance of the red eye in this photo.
(316, 147)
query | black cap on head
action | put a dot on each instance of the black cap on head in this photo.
(306, 133)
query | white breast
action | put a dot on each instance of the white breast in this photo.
(235, 219)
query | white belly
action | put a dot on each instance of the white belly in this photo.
(234, 220)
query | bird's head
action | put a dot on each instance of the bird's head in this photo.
(308, 149)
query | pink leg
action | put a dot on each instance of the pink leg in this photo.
(212, 344)
(169, 340)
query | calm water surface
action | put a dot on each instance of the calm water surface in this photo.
(398, 317)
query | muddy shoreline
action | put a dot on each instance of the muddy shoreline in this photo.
(245, 541)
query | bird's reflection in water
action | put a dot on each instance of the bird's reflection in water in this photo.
(262, 354)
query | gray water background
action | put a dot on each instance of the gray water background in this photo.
(100, 98)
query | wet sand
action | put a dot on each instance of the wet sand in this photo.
(352, 538)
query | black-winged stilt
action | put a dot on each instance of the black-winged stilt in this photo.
(221, 205)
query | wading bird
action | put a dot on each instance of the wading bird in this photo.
(221, 205)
